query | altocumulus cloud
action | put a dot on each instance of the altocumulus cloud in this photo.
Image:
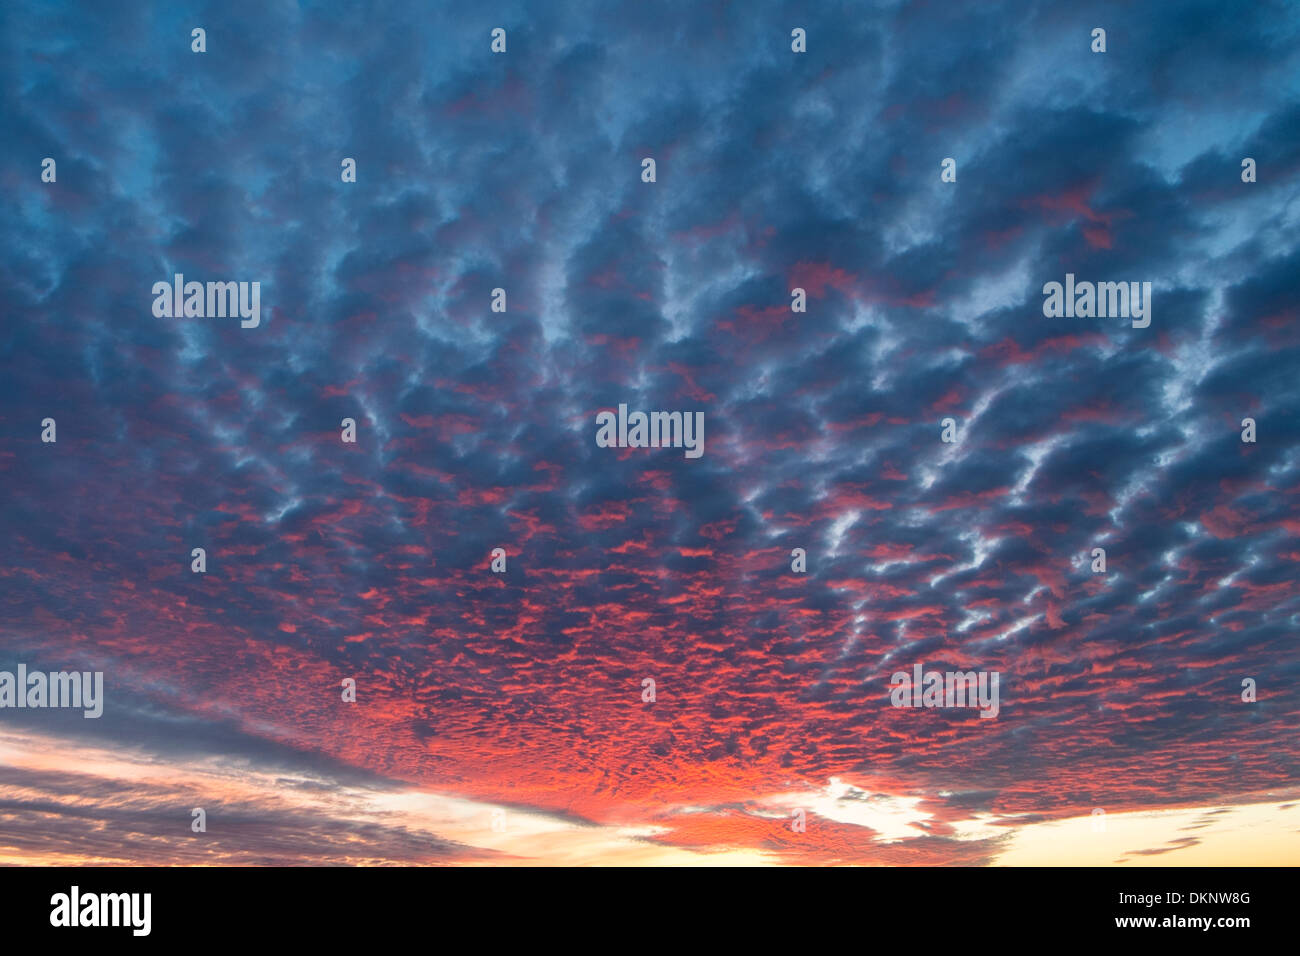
(521, 171)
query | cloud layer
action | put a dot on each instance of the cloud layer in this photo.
(476, 429)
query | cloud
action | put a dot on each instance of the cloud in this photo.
(476, 429)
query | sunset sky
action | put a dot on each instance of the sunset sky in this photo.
(499, 718)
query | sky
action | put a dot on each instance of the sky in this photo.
(500, 718)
